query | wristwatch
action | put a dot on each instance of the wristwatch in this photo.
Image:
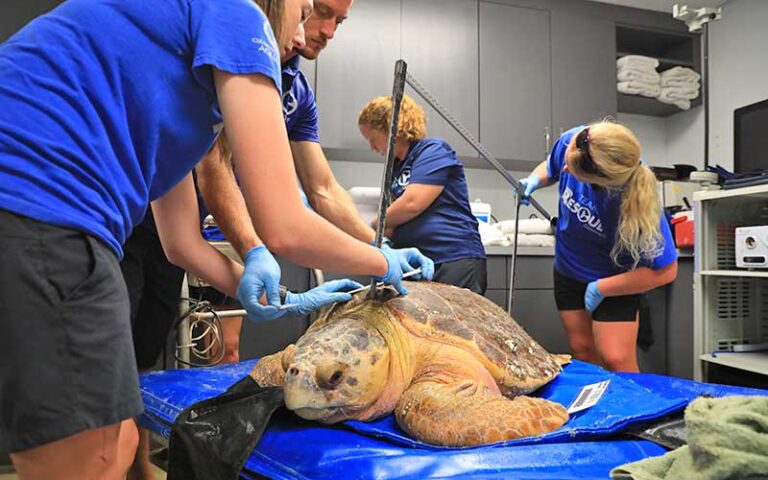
(283, 294)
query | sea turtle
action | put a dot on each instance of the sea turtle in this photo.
(451, 365)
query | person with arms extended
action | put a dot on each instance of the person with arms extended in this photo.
(107, 106)
(430, 200)
(613, 243)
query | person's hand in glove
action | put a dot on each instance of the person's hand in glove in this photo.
(327, 293)
(529, 184)
(261, 276)
(593, 297)
(411, 259)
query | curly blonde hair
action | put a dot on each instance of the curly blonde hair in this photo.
(411, 126)
(615, 151)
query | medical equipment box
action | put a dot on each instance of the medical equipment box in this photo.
(752, 247)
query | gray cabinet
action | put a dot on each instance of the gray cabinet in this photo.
(440, 44)
(309, 68)
(536, 312)
(358, 66)
(515, 88)
(583, 69)
(680, 321)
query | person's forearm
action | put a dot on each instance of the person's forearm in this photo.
(335, 205)
(636, 281)
(218, 186)
(178, 227)
(541, 172)
(252, 112)
(402, 211)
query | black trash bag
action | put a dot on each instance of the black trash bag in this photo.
(213, 438)
(669, 432)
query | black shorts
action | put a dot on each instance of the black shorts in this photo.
(154, 289)
(468, 273)
(66, 361)
(569, 295)
(217, 299)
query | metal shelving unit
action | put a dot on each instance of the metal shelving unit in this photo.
(730, 304)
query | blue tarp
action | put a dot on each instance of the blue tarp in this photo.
(292, 448)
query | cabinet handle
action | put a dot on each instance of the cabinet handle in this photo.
(547, 141)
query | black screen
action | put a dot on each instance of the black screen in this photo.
(750, 137)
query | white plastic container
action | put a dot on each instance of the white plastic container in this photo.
(366, 200)
(481, 210)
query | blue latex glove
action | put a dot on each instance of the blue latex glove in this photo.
(327, 293)
(592, 297)
(261, 275)
(411, 259)
(530, 184)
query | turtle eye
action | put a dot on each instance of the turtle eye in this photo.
(330, 376)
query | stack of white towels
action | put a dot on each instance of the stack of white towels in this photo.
(679, 85)
(637, 75)
(534, 232)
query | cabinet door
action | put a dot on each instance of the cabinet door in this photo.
(583, 69)
(358, 65)
(309, 68)
(514, 81)
(440, 45)
(536, 312)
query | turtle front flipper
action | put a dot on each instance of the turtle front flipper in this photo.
(270, 370)
(466, 414)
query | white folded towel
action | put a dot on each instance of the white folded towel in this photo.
(672, 96)
(637, 61)
(682, 73)
(679, 93)
(676, 82)
(682, 104)
(647, 76)
(638, 88)
(527, 225)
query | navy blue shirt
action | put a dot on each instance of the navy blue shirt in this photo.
(587, 225)
(446, 231)
(299, 106)
(106, 105)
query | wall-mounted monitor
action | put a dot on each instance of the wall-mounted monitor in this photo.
(750, 138)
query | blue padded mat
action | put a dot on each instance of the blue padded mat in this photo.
(292, 448)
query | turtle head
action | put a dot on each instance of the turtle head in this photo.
(337, 370)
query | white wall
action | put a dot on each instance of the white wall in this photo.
(738, 70)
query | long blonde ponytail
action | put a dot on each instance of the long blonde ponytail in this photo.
(638, 233)
(615, 153)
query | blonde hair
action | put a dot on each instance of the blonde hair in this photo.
(411, 126)
(615, 152)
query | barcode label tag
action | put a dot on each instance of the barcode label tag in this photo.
(588, 396)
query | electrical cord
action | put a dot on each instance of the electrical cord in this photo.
(206, 335)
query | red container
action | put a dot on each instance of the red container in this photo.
(683, 226)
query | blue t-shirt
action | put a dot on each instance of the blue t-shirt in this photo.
(107, 104)
(299, 106)
(587, 225)
(446, 231)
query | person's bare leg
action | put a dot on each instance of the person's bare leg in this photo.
(232, 327)
(141, 468)
(616, 343)
(578, 327)
(97, 454)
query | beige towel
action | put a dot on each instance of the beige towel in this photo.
(637, 61)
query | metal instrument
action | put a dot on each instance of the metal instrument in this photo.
(397, 98)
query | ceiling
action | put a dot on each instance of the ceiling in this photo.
(663, 5)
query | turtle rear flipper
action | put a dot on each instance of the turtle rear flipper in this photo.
(466, 414)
